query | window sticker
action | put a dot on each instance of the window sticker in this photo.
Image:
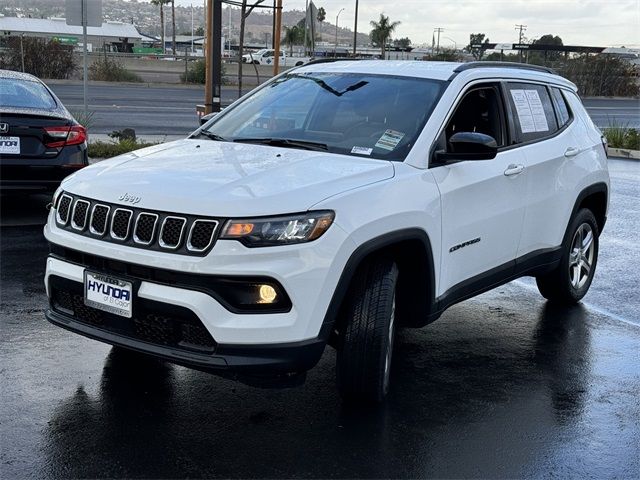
(539, 117)
(389, 140)
(525, 116)
(362, 150)
(530, 111)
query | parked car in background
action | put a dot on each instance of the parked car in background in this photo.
(40, 141)
(266, 56)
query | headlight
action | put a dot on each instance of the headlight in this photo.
(281, 230)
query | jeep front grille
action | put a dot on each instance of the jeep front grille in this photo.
(136, 227)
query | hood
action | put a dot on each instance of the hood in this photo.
(205, 177)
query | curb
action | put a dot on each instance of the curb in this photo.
(623, 153)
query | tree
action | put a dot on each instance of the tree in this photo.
(199, 32)
(474, 39)
(293, 36)
(322, 14)
(161, 4)
(541, 57)
(402, 43)
(381, 32)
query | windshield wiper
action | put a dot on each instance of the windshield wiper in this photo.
(212, 136)
(286, 142)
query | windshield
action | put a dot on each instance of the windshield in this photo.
(25, 94)
(365, 115)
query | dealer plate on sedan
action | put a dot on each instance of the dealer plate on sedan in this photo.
(108, 294)
(10, 145)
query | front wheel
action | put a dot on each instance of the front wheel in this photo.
(366, 345)
(571, 280)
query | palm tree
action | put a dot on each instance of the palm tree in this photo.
(292, 36)
(161, 3)
(381, 32)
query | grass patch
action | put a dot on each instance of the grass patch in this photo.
(101, 149)
(619, 136)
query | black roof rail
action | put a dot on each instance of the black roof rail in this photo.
(523, 66)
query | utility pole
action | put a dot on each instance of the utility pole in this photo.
(277, 14)
(355, 31)
(438, 31)
(213, 56)
(85, 75)
(521, 29)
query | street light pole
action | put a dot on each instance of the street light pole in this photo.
(335, 48)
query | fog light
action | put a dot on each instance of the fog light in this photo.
(267, 294)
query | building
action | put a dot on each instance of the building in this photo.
(112, 36)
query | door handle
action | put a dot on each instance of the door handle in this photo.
(571, 152)
(513, 169)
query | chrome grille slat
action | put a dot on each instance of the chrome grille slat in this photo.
(143, 233)
(99, 219)
(79, 214)
(201, 235)
(171, 232)
(64, 207)
(121, 223)
(181, 234)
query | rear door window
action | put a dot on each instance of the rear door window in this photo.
(532, 110)
(25, 94)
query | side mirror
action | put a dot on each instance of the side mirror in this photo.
(469, 146)
(205, 118)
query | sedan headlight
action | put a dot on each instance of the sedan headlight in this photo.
(281, 230)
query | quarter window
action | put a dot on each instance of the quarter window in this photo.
(561, 107)
(532, 111)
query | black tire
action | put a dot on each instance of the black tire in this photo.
(570, 281)
(366, 344)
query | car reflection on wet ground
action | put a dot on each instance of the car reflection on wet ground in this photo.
(503, 385)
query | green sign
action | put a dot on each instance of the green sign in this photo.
(66, 40)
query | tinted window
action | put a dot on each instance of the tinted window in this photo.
(479, 111)
(374, 116)
(25, 94)
(532, 111)
(561, 107)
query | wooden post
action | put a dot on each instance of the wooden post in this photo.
(276, 42)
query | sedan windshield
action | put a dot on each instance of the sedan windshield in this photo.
(374, 116)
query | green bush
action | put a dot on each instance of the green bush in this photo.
(42, 58)
(101, 149)
(622, 137)
(110, 70)
(196, 72)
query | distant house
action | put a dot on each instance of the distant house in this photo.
(111, 36)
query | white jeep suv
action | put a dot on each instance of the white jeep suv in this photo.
(332, 205)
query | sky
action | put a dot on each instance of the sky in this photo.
(603, 23)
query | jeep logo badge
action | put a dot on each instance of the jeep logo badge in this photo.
(129, 198)
(4, 127)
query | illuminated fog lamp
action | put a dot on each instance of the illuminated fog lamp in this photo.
(267, 294)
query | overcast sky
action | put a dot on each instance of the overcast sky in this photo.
(594, 23)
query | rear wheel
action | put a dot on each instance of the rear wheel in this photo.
(365, 349)
(571, 280)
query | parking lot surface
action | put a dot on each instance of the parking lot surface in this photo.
(503, 385)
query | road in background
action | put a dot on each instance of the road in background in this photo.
(171, 110)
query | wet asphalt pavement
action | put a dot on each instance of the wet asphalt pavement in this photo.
(503, 385)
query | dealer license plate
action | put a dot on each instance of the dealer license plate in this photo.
(10, 145)
(108, 293)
